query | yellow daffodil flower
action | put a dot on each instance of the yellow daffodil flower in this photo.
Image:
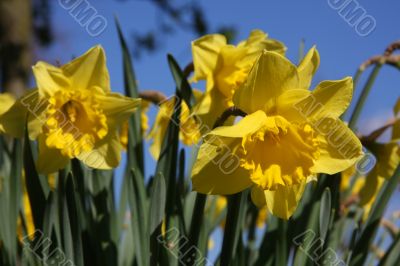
(73, 114)
(189, 128)
(225, 67)
(288, 136)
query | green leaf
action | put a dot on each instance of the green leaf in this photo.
(135, 139)
(15, 197)
(370, 228)
(325, 213)
(68, 242)
(181, 82)
(36, 185)
(157, 202)
(237, 208)
(138, 207)
(156, 214)
(72, 202)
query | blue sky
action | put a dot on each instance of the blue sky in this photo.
(341, 49)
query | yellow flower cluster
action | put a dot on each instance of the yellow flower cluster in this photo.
(288, 135)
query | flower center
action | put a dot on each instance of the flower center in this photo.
(280, 153)
(74, 122)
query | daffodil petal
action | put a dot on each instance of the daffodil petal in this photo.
(286, 105)
(258, 196)
(36, 113)
(387, 157)
(271, 75)
(117, 108)
(307, 68)
(209, 108)
(89, 70)
(7, 100)
(258, 41)
(217, 169)
(283, 201)
(12, 122)
(49, 79)
(249, 124)
(205, 53)
(49, 160)
(105, 155)
(330, 98)
(339, 147)
(371, 187)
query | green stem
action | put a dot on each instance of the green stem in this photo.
(364, 94)
(231, 229)
(357, 77)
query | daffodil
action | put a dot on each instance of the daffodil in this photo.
(73, 114)
(288, 136)
(189, 132)
(224, 67)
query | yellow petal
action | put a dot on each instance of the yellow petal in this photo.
(205, 53)
(217, 170)
(258, 41)
(307, 68)
(7, 100)
(117, 108)
(339, 147)
(387, 157)
(329, 99)
(105, 155)
(89, 70)
(210, 106)
(36, 112)
(249, 124)
(369, 191)
(233, 65)
(270, 76)
(50, 160)
(13, 121)
(49, 79)
(283, 201)
(258, 197)
(286, 105)
(160, 126)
